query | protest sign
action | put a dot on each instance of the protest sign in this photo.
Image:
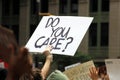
(64, 33)
(80, 72)
(113, 70)
(70, 66)
(1, 64)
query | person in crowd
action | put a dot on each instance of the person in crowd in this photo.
(94, 73)
(99, 73)
(57, 75)
(3, 73)
(49, 59)
(18, 58)
(14, 55)
(103, 73)
(40, 74)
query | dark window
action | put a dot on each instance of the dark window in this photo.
(105, 5)
(104, 34)
(34, 7)
(16, 6)
(74, 6)
(5, 7)
(63, 6)
(44, 6)
(32, 29)
(93, 5)
(93, 35)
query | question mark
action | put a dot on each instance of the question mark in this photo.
(71, 39)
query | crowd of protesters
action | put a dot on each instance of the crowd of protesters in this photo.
(20, 62)
(19, 59)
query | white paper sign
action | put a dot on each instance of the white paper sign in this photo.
(113, 68)
(1, 64)
(64, 33)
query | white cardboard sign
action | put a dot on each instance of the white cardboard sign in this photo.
(113, 70)
(64, 33)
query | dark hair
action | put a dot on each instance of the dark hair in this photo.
(37, 76)
(3, 74)
(102, 70)
(7, 37)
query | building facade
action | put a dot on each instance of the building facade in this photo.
(101, 41)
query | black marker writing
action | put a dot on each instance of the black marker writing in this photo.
(70, 39)
(58, 35)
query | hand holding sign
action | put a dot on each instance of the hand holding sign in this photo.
(64, 33)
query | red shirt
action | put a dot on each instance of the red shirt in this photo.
(5, 64)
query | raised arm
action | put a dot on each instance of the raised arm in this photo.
(49, 58)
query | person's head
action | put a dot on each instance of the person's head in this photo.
(8, 43)
(22, 62)
(102, 71)
(57, 75)
(26, 76)
(37, 76)
(18, 58)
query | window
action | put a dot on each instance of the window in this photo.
(16, 6)
(104, 34)
(105, 5)
(5, 7)
(63, 6)
(93, 5)
(99, 5)
(32, 29)
(68, 7)
(34, 6)
(44, 6)
(74, 6)
(93, 35)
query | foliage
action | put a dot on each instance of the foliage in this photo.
(63, 59)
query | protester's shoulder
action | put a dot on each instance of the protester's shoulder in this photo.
(3, 71)
(3, 74)
(57, 75)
